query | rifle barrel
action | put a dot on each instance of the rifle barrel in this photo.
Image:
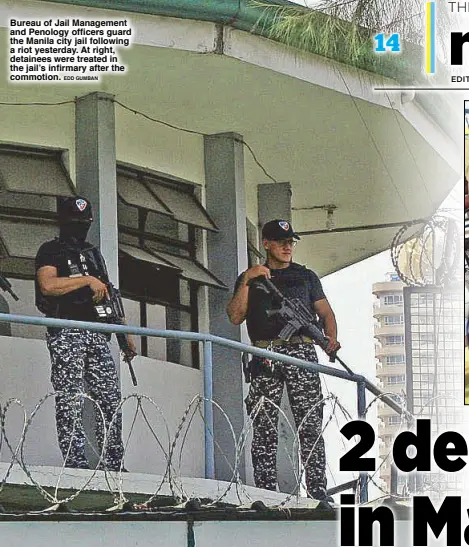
(131, 370)
(6, 286)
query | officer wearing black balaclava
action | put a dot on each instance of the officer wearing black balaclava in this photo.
(75, 217)
(69, 269)
(71, 278)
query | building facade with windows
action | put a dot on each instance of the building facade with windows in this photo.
(435, 371)
(391, 362)
(419, 353)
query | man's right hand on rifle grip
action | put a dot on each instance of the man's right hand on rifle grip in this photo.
(332, 347)
(238, 305)
(255, 271)
(132, 346)
(99, 289)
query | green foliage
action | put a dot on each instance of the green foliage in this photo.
(344, 31)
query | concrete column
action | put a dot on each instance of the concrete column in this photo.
(5, 328)
(96, 171)
(274, 201)
(227, 257)
(96, 180)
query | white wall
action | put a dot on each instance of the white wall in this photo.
(174, 534)
(94, 534)
(26, 377)
(171, 388)
(25, 369)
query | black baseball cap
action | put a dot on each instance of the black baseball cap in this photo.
(278, 229)
(74, 209)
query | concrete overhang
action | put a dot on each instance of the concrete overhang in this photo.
(311, 121)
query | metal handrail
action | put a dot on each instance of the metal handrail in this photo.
(207, 339)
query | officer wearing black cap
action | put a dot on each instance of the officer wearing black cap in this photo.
(268, 378)
(70, 279)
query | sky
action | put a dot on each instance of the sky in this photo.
(349, 292)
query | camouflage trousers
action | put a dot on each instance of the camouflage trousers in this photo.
(305, 395)
(82, 363)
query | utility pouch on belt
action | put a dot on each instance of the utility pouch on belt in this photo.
(255, 367)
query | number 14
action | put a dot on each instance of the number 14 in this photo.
(392, 44)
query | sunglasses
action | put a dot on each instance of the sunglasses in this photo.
(285, 242)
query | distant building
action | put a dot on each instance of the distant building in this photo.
(391, 366)
(420, 354)
(434, 372)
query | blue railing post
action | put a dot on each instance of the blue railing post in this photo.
(208, 412)
(361, 409)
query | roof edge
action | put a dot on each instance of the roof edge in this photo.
(243, 15)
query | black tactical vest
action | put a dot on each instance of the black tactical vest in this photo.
(71, 260)
(296, 281)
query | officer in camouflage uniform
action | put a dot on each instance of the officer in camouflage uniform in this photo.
(268, 378)
(70, 280)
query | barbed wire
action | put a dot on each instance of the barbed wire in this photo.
(428, 260)
(173, 447)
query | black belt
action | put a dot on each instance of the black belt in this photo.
(278, 342)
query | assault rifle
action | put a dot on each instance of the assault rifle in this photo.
(112, 311)
(295, 317)
(6, 286)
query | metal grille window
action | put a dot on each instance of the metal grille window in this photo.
(428, 378)
(159, 218)
(31, 178)
(435, 359)
(423, 339)
(34, 170)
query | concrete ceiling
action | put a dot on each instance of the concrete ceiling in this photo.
(364, 158)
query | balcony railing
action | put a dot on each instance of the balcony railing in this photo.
(389, 349)
(207, 340)
(387, 309)
(383, 330)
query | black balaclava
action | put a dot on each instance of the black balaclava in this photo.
(74, 232)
